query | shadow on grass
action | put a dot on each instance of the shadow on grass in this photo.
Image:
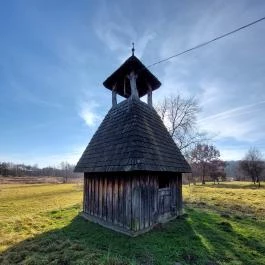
(197, 238)
(229, 245)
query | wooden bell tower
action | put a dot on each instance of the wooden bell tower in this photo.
(132, 167)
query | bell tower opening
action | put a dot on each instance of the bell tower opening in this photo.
(132, 80)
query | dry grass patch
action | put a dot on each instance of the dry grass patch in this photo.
(24, 208)
(234, 197)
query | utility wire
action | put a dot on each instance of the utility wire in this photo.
(207, 42)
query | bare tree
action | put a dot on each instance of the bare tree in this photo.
(67, 171)
(253, 165)
(179, 116)
(202, 155)
(217, 170)
(4, 169)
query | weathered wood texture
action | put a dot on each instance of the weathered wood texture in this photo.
(131, 202)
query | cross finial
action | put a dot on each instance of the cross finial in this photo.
(133, 48)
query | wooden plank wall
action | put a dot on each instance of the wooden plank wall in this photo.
(129, 202)
(144, 202)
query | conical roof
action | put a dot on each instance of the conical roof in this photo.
(132, 137)
(122, 85)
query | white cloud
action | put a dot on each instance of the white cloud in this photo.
(88, 112)
(232, 153)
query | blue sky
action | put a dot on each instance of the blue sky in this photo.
(54, 56)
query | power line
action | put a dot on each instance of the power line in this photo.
(207, 42)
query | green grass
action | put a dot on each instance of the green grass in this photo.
(40, 225)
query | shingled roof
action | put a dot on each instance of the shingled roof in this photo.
(132, 137)
(121, 82)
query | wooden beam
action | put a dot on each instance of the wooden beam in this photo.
(114, 96)
(149, 96)
(134, 92)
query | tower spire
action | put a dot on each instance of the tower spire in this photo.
(133, 49)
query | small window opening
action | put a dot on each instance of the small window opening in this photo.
(163, 182)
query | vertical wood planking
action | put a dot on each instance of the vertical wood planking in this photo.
(151, 202)
(105, 198)
(128, 203)
(146, 202)
(118, 201)
(115, 200)
(134, 208)
(121, 197)
(96, 195)
(100, 190)
(124, 199)
(90, 194)
(84, 194)
(109, 200)
(136, 203)
(87, 195)
(141, 182)
(93, 194)
(131, 202)
(155, 183)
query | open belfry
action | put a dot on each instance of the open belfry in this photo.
(132, 167)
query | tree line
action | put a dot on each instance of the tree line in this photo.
(63, 170)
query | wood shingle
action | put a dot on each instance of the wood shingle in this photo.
(132, 137)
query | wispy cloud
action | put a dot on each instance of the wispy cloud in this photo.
(117, 32)
(234, 112)
(89, 113)
(241, 123)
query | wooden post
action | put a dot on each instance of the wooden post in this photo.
(114, 96)
(149, 96)
(134, 92)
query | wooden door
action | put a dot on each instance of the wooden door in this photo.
(164, 201)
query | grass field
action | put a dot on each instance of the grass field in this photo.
(223, 224)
